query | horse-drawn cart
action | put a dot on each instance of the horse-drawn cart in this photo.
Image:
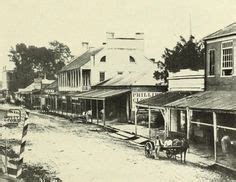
(178, 147)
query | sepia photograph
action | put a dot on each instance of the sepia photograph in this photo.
(117, 90)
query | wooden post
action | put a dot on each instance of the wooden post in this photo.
(81, 79)
(127, 107)
(149, 122)
(6, 156)
(215, 135)
(188, 122)
(167, 121)
(104, 113)
(135, 120)
(97, 111)
(91, 108)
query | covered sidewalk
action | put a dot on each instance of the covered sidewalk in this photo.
(157, 104)
(99, 102)
(211, 119)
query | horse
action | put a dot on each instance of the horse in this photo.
(184, 145)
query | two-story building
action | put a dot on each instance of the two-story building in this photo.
(116, 56)
(211, 115)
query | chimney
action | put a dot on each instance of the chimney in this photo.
(110, 35)
(85, 46)
(139, 35)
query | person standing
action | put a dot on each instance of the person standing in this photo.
(225, 144)
(157, 144)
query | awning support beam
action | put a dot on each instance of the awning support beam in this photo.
(215, 135)
(104, 113)
(135, 120)
(97, 110)
(149, 122)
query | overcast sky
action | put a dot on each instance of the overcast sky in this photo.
(37, 22)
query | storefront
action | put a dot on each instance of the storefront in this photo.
(157, 116)
(105, 104)
(211, 124)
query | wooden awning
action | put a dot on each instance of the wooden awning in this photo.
(100, 94)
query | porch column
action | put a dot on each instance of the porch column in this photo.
(64, 74)
(78, 75)
(76, 78)
(97, 110)
(215, 135)
(104, 113)
(81, 79)
(127, 107)
(71, 78)
(167, 121)
(188, 122)
(135, 120)
(64, 79)
(55, 97)
(73, 73)
(149, 122)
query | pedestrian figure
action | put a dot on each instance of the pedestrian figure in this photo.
(157, 144)
(89, 115)
(101, 113)
(225, 144)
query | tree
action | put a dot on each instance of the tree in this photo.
(161, 73)
(32, 61)
(61, 52)
(185, 55)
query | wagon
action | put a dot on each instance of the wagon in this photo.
(170, 151)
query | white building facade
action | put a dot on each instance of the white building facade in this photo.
(116, 56)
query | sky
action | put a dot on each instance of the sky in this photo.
(71, 22)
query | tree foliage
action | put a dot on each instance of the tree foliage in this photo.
(32, 61)
(185, 55)
(161, 73)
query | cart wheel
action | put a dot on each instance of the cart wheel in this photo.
(148, 149)
(168, 154)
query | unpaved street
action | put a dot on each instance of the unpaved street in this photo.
(84, 152)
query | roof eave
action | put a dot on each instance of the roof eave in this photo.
(220, 36)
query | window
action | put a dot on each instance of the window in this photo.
(212, 62)
(102, 76)
(227, 58)
(103, 59)
(131, 59)
(120, 73)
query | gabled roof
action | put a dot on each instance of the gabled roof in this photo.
(81, 60)
(227, 31)
(53, 85)
(27, 89)
(132, 79)
(47, 82)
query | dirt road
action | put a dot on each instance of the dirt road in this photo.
(86, 153)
